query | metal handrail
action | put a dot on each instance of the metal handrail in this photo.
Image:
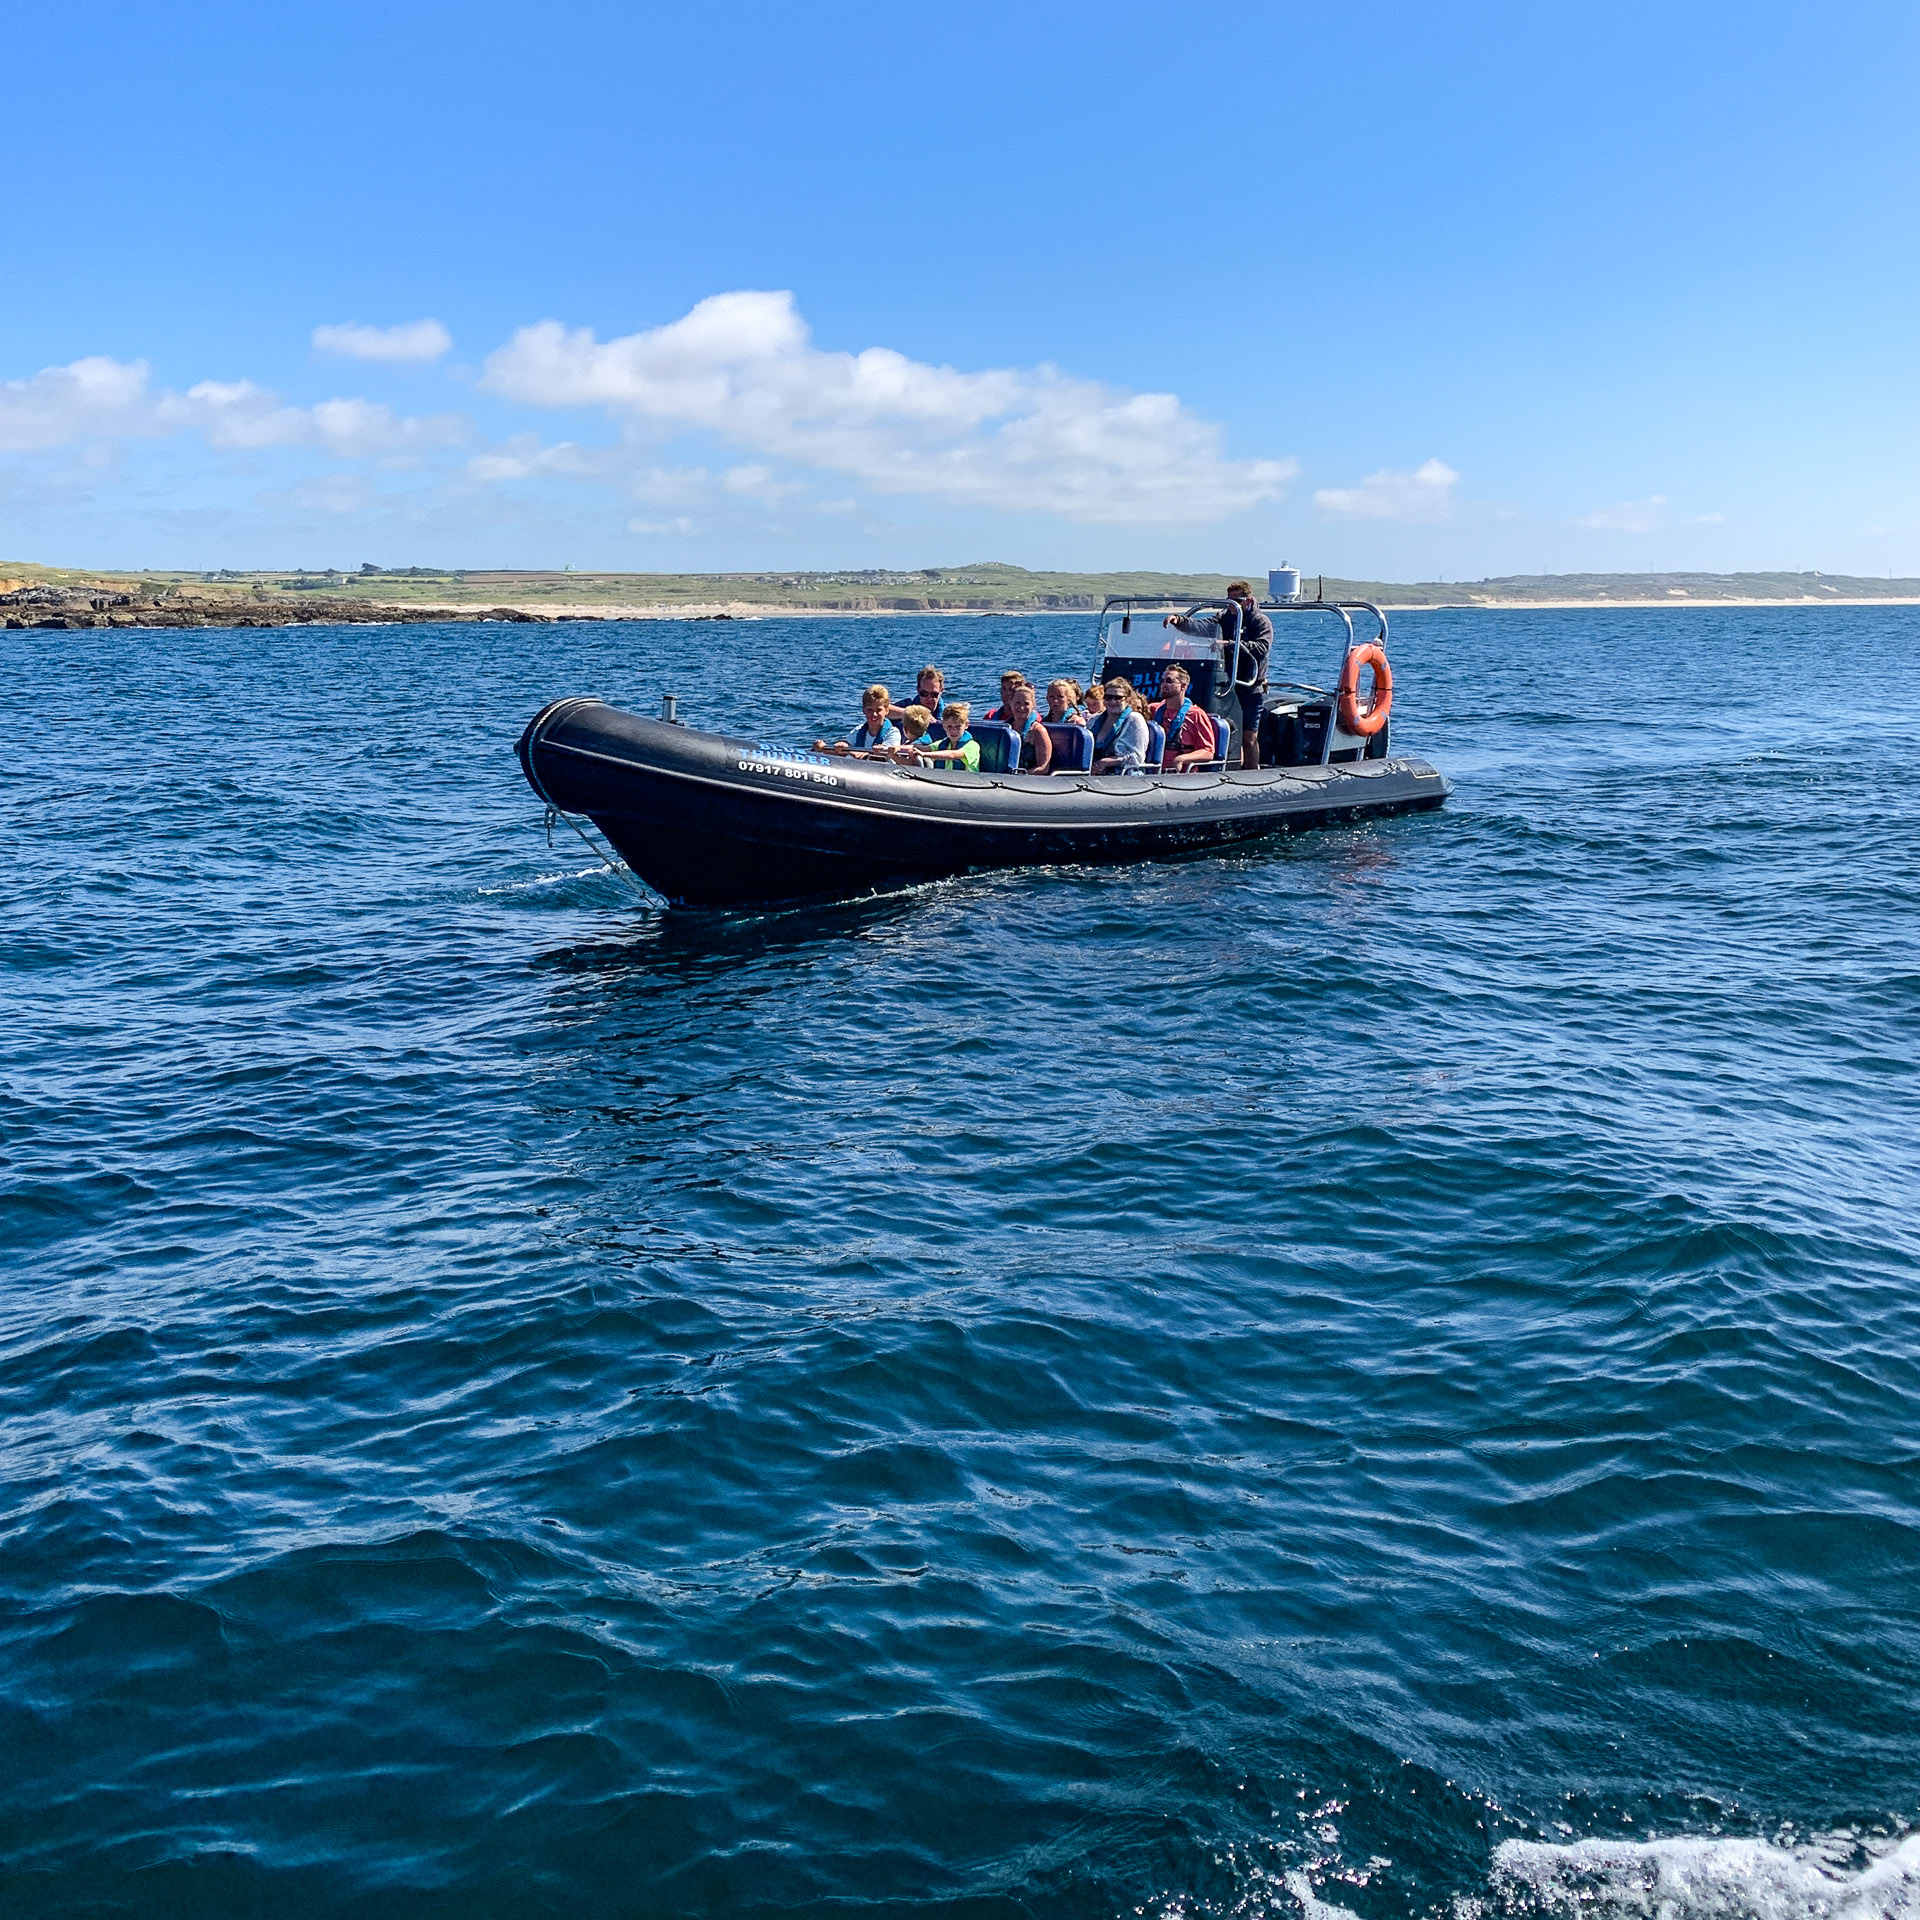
(1156, 602)
(1344, 609)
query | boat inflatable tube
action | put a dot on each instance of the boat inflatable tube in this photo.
(708, 819)
(1367, 721)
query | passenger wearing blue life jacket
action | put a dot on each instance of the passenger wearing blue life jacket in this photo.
(875, 729)
(916, 731)
(1120, 737)
(1191, 731)
(1066, 705)
(1036, 744)
(957, 747)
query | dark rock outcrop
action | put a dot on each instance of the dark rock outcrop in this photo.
(105, 607)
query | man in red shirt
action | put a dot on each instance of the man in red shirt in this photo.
(1191, 737)
(1012, 678)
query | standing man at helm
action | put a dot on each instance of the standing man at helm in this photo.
(1246, 637)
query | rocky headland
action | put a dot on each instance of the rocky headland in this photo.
(106, 607)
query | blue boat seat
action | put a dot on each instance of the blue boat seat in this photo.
(1156, 745)
(1072, 746)
(999, 745)
(1223, 746)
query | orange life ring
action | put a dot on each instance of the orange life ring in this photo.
(1352, 719)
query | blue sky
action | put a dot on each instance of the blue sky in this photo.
(1385, 290)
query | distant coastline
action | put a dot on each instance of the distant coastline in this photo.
(33, 595)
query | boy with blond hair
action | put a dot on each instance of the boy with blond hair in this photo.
(959, 748)
(875, 729)
(916, 730)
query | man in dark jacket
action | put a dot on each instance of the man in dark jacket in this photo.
(1246, 638)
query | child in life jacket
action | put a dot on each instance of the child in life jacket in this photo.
(958, 747)
(875, 729)
(916, 731)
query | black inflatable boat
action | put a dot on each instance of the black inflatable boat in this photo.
(709, 819)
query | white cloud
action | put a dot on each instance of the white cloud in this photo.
(669, 486)
(1630, 516)
(91, 399)
(335, 494)
(1710, 519)
(526, 457)
(95, 400)
(522, 457)
(412, 340)
(237, 415)
(756, 482)
(1424, 494)
(680, 523)
(741, 365)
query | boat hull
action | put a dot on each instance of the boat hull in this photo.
(710, 820)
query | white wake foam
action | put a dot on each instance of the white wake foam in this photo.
(1711, 1879)
(544, 880)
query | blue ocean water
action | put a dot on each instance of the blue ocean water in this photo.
(1374, 1376)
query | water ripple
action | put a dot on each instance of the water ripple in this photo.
(1374, 1376)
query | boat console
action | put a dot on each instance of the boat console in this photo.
(1301, 725)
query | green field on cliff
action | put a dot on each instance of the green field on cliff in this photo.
(984, 587)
